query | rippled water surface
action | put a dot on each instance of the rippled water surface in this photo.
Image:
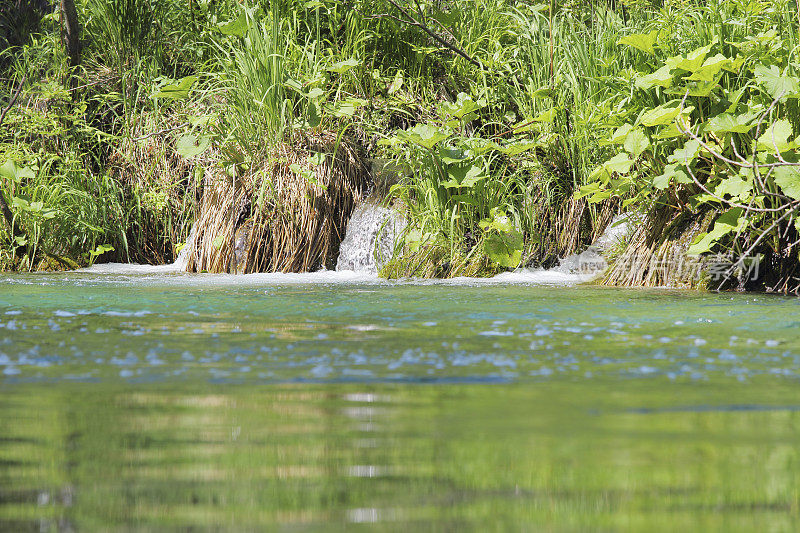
(149, 401)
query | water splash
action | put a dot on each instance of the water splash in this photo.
(183, 257)
(369, 239)
(592, 262)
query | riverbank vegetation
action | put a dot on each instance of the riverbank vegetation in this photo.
(510, 133)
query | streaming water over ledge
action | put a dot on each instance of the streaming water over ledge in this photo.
(143, 398)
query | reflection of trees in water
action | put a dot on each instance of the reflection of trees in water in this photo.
(96, 458)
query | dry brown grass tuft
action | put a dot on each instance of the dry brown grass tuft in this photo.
(275, 219)
(655, 254)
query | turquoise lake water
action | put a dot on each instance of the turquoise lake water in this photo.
(146, 400)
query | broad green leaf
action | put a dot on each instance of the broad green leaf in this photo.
(685, 155)
(711, 67)
(776, 84)
(777, 136)
(518, 147)
(463, 106)
(701, 89)
(463, 176)
(505, 249)
(317, 159)
(177, 90)
(547, 116)
(236, 27)
(661, 78)
(190, 146)
(734, 186)
(397, 83)
(424, 135)
(620, 134)
(11, 171)
(347, 108)
(588, 189)
(788, 179)
(340, 67)
(20, 203)
(726, 123)
(479, 146)
(641, 41)
(669, 131)
(728, 222)
(691, 61)
(101, 249)
(600, 196)
(315, 93)
(636, 142)
(544, 92)
(451, 156)
(661, 115)
(735, 98)
(671, 173)
(620, 163)
(218, 241)
(735, 64)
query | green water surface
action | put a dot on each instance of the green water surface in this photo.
(215, 403)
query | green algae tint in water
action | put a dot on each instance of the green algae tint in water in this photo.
(161, 402)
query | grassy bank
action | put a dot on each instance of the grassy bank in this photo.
(513, 131)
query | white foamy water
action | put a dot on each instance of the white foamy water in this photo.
(369, 239)
(183, 257)
(368, 244)
(170, 274)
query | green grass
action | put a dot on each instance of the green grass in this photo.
(551, 75)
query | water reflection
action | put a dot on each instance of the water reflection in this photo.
(462, 457)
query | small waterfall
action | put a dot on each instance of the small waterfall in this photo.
(182, 260)
(592, 262)
(369, 238)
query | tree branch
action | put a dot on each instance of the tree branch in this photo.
(412, 21)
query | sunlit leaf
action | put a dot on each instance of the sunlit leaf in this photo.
(620, 163)
(340, 67)
(726, 123)
(685, 155)
(397, 82)
(463, 106)
(636, 142)
(11, 171)
(777, 137)
(777, 84)
(661, 115)
(620, 134)
(728, 222)
(641, 41)
(190, 146)
(734, 186)
(661, 78)
(691, 61)
(236, 27)
(177, 90)
(505, 249)
(424, 135)
(672, 173)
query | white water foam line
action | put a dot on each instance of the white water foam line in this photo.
(171, 274)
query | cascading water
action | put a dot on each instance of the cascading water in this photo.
(182, 261)
(369, 238)
(591, 262)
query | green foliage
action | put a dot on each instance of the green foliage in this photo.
(717, 128)
(660, 105)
